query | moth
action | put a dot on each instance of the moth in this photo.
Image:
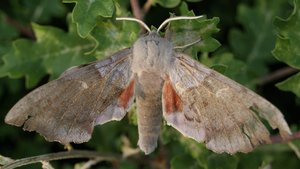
(197, 101)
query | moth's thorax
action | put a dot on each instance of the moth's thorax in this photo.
(152, 53)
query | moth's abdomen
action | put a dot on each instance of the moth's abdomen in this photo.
(149, 110)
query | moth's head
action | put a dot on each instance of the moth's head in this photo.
(161, 26)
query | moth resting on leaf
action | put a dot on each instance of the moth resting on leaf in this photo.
(199, 102)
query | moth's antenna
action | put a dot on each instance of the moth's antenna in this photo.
(187, 45)
(134, 19)
(177, 18)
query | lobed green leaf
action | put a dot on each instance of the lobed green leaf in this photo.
(113, 36)
(53, 52)
(287, 47)
(184, 32)
(86, 14)
(291, 84)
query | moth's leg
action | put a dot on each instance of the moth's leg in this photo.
(183, 47)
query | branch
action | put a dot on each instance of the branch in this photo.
(278, 74)
(136, 10)
(278, 139)
(147, 6)
(62, 155)
(27, 31)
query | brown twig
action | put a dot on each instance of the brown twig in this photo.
(137, 13)
(25, 30)
(278, 139)
(60, 156)
(278, 74)
(147, 6)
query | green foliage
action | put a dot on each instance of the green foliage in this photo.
(36, 10)
(170, 3)
(223, 161)
(87, 30)
(291, 84)
(87, 13)
(287, 47)
(112, 36)
(183, 161)
(254, 43)
(226, 64)
(183, 32)
(56, 52)
(7, 34)
(167, 3)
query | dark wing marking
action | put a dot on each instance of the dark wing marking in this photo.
(67, 109)
(219, 111)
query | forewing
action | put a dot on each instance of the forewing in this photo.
(217, 110)
(67, 109)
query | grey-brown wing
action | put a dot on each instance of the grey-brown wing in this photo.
(67, 109)
(214, 109)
